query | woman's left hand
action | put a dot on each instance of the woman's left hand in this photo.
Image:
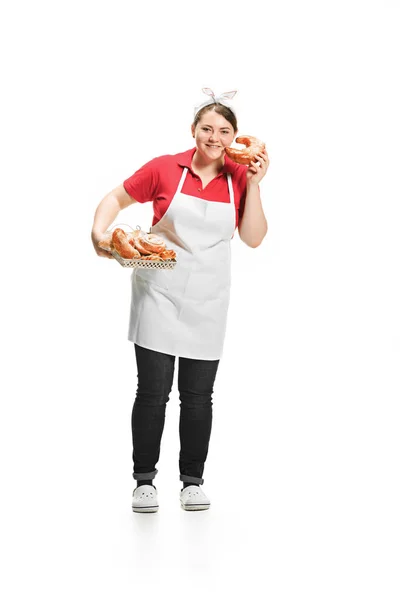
(258, 168)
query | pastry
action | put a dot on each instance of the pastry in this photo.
(245, 155)
(121, 244)
(148, 243)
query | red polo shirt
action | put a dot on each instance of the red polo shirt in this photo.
(158, 181)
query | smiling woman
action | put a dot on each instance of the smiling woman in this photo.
(199, 198)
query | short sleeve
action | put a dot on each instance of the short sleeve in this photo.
(142, 185)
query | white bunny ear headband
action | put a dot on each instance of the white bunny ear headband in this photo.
(213, 99)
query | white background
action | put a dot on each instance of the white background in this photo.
(303, 465)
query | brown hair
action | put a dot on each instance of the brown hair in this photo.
(221, 110)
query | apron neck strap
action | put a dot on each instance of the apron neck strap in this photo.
(182, 180)
(230, 186)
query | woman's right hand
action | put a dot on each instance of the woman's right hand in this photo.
(100, 237)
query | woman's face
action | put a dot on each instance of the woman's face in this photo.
(213, 133)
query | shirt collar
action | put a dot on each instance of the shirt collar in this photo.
(184, 159)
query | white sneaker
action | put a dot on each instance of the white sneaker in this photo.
(193, 498)
(144, 499)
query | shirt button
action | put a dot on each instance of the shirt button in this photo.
(199, 189)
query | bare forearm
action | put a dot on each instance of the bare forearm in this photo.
(106, 213)
(253, 226)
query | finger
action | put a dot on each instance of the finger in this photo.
(263, 163)
(263, 158)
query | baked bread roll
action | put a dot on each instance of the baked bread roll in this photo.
(246, 155)
(120, 243)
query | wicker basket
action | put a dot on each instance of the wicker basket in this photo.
(137, 263)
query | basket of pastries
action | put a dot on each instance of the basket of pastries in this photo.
(138, 249)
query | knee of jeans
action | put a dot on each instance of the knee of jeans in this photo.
(151, 399)
(191, 399)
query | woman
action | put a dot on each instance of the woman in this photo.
(199, 198)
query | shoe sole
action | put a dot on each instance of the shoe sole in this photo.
(195, 506)
(145, 509)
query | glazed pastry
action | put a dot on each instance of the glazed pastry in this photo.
(153, 243)
(148, 243)
(120, 243)
(139, 247)
(246, 155)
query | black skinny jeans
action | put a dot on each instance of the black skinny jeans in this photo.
(195, 383)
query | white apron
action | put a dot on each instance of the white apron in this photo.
(183, 311)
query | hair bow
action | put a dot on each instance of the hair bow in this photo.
(213, 99)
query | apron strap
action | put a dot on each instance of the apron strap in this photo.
(230, 186)
(182, 181)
